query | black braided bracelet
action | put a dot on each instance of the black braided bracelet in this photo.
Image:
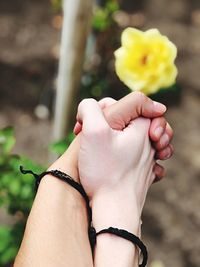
(124, 234)
(65, 178)
(92, 232)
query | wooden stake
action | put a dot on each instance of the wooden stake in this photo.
(76, 25)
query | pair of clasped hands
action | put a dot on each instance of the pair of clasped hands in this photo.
(119, 144)
(114, 158)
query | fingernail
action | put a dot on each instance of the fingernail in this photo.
(167, 154)
(164, 141)
(158, 131)
(159, 107)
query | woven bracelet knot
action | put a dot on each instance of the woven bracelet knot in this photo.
(92, 236)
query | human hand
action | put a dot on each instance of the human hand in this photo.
(110, 160)
(120, 113)
(116, 171)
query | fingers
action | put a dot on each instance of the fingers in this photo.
(106, 102)
(130, 107)
(164, 139)
(159, 172)
(165, 153)
(169, 131)
(91, 117)
(140, 131)
(119, 113)
(103, 103)
(161, 134)
(136, 104)
(77, 128)
(157, 128)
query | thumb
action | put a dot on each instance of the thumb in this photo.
(103, 103)
(130, 107)
(91, 116)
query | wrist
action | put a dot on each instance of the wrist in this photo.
(61, 194)
(116, 209)
(67, 163)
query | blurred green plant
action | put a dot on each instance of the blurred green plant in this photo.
(93, 85)
(56, 4)
(103, 16)
(60, 146)
(16, 195)
(17, 191)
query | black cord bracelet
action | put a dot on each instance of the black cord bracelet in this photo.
(91, 231)
(124, 234)
(65, 178)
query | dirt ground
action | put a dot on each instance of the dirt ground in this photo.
(28, 60)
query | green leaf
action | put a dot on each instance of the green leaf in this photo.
(6, 179)
(112, 6)
(102, 18)
(9, 255)
(7, 140)
(26, 192)
(15, 187)
(60, 146)
(30, 165)
(14, 162)
(5, 237)
(57, 5)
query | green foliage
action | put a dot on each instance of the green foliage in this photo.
(93, 85)
(16, 194)
(57, 5)
(17, 191)
(102, 18)
(7, 140)
(60, 146)
(10, 238)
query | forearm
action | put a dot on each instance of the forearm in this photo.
(111, 211)
(57, 228)
(56, 231)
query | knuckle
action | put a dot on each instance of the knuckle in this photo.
(86, 102)
(170, 130)
(141, 99)
(106, 99)
(160, 121)
(140, 96)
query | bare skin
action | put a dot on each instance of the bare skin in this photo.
(124, 160)
(63, 241)
(56, 231)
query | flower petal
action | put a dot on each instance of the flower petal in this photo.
(129, 36)
(145, 62)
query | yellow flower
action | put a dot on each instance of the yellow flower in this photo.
(145, 61)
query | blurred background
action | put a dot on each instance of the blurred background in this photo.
(30, 34)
